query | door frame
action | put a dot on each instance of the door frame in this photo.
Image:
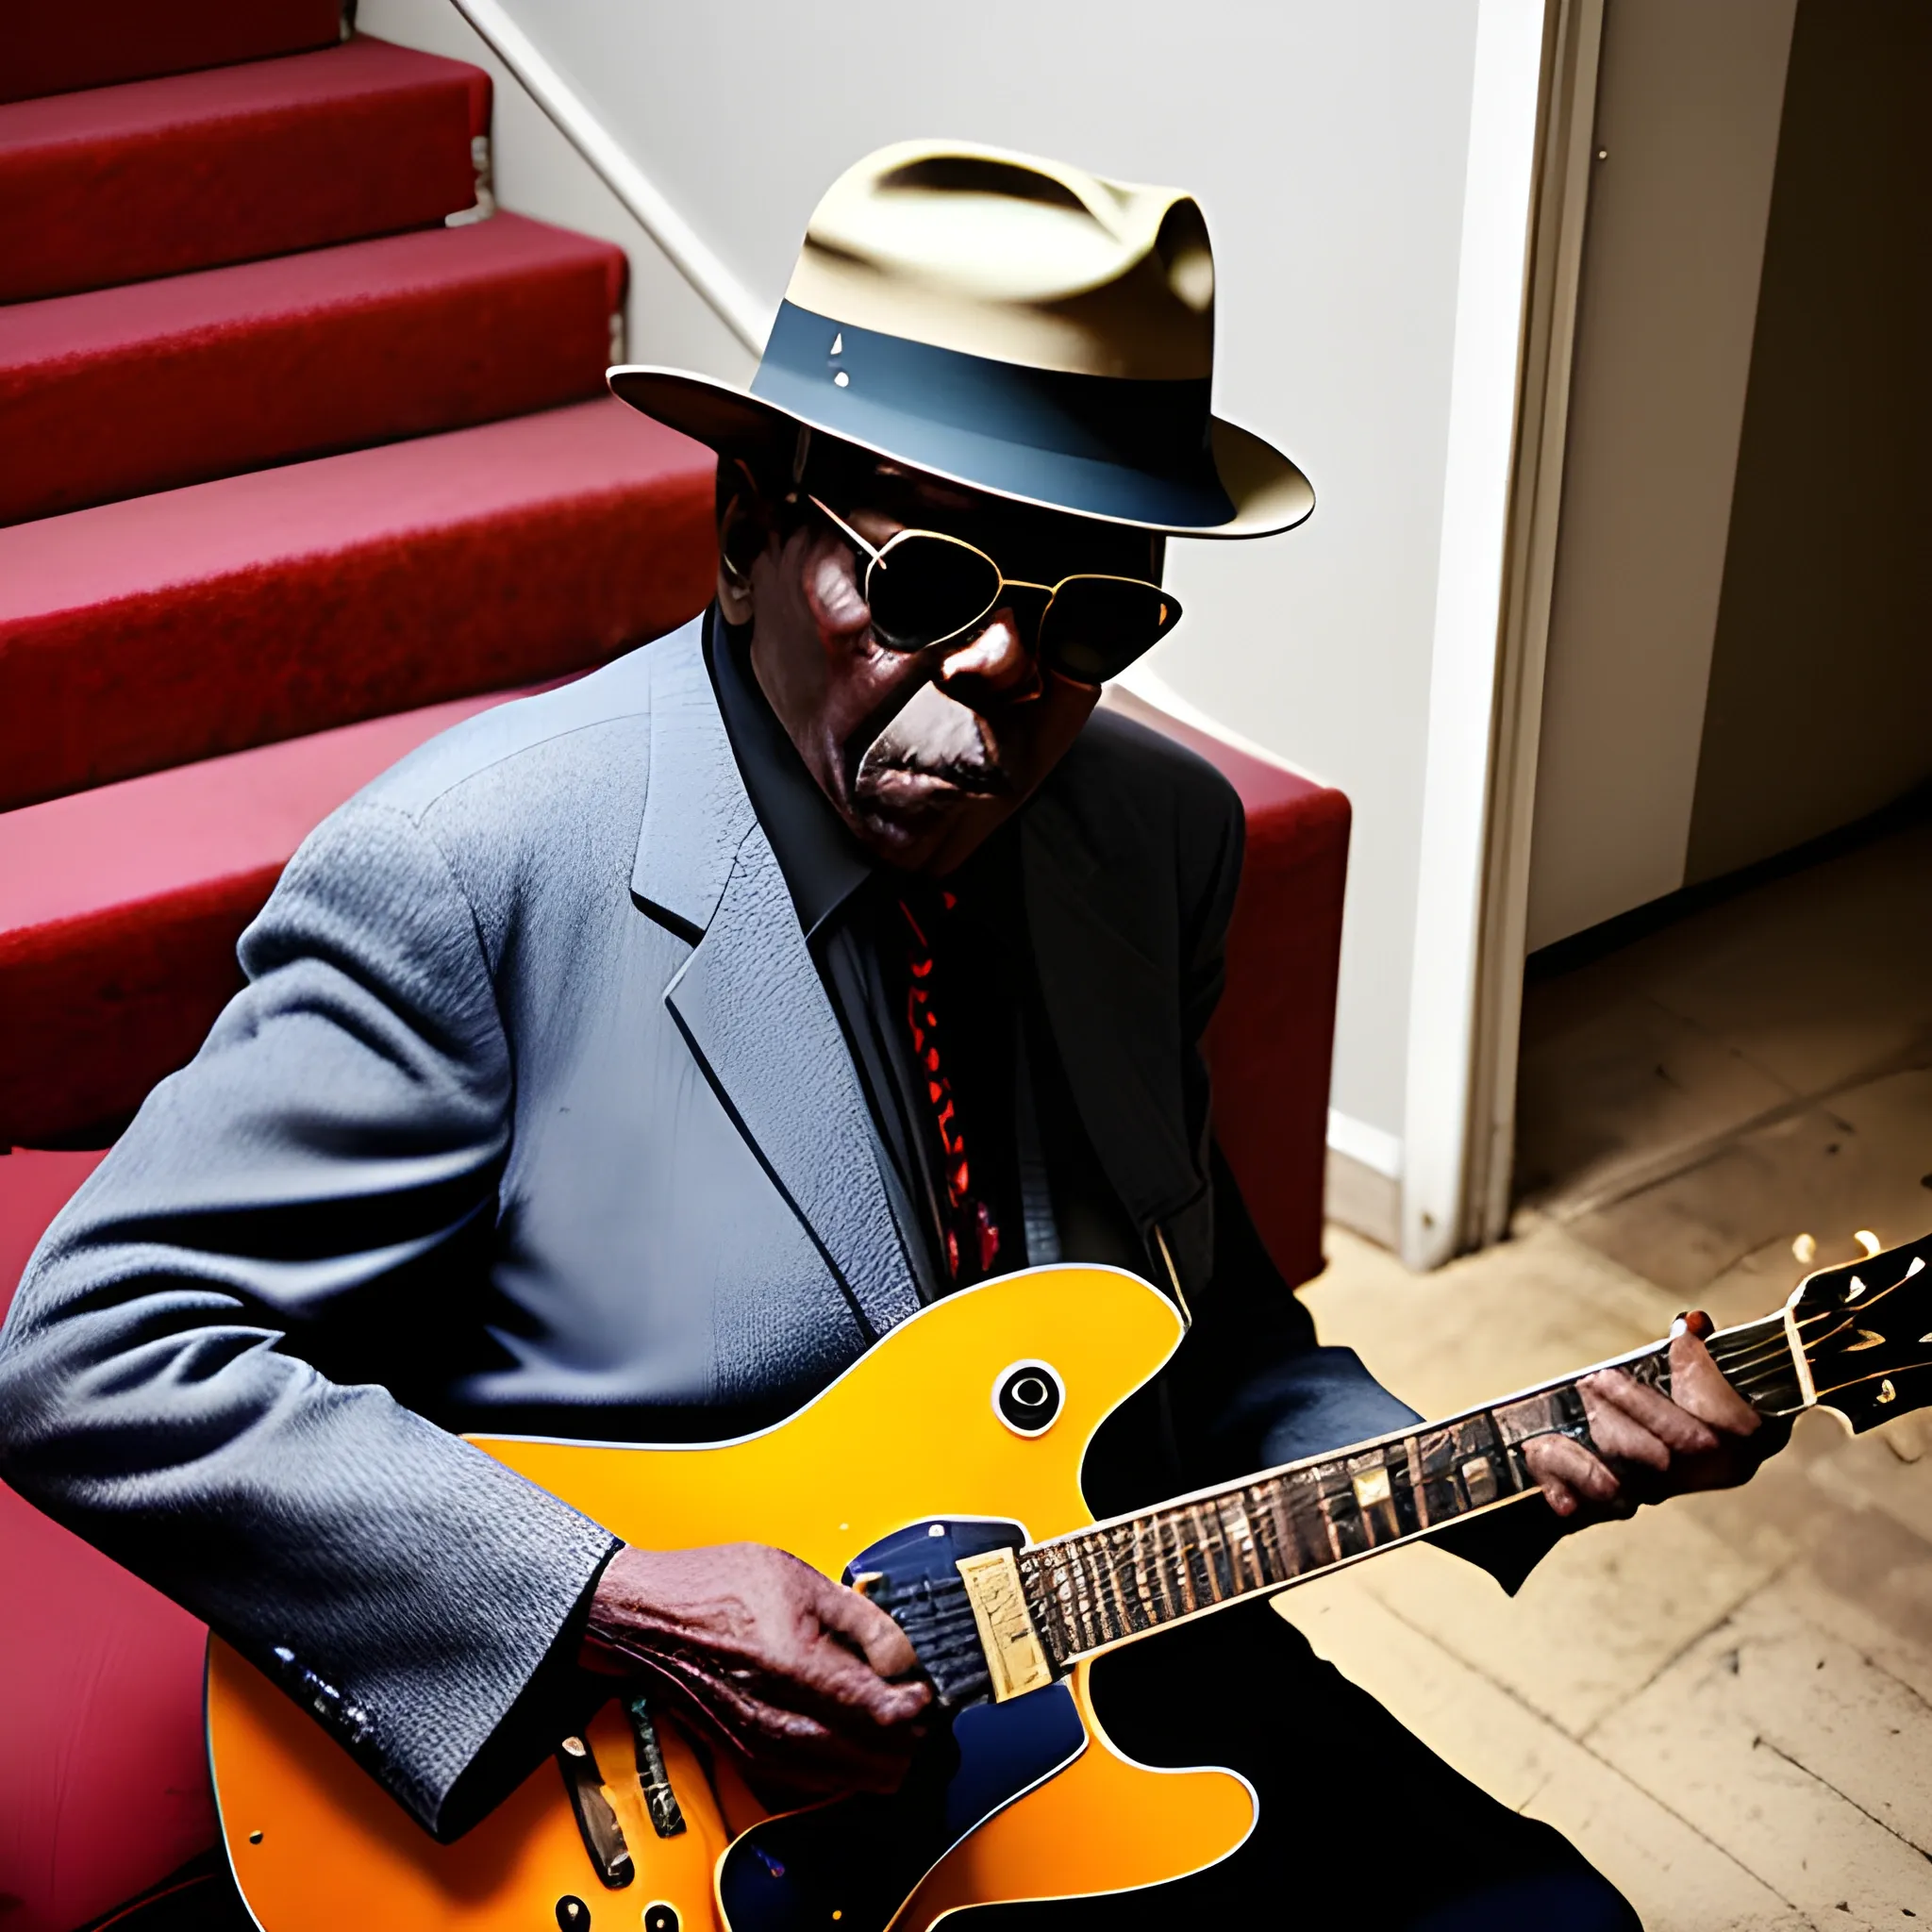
(1491, 637)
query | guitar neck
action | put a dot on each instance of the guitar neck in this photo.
(1101, 1586)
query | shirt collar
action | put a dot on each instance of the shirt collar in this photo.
(822, 864)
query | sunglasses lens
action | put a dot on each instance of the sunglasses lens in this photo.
(1096, 626)
(927, 588)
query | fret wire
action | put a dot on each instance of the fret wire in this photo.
(1205, 1543)
(1106, 1593)
(1281, 1511)
(1269, 1529)
(1266, 1568)
(1214, 1550)
(1198, 1544)
(1203, 1550)
(1179, 1567)
(1110, 1550)
(1241, 1547)
(1231, 1542)
(1184, 1560)
(1082, 1608)
(1163, 1544)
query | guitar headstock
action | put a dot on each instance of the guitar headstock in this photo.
(1865, 1329)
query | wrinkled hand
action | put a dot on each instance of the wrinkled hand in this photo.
(1650, 1445)
(796, 1673)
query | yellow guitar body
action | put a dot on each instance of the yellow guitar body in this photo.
(910, 1431)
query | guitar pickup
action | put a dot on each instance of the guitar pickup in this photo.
(654, 1780)
(597, 1823)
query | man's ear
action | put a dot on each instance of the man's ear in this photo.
(744, 530)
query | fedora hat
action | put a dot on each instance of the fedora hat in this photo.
(1011, 323)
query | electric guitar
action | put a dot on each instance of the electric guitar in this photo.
(941, 1475)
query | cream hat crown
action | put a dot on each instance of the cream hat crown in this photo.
(1014, 323)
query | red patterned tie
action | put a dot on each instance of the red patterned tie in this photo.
(971, 1235)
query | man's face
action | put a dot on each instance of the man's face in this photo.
(923, 753)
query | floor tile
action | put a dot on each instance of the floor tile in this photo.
(1600, 1616)
(1827, 1172)
(1524, 1311)
(1613, 1092)
(1819, 976)
(1728, 1702)
(1818, 1791)
(1677, 1880)
(1866, 1475)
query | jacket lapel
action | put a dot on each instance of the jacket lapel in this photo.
(749, 1000)
(1114, 1011)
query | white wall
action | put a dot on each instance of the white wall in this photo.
(539, 173)
(1688, 102)
(1330, 146)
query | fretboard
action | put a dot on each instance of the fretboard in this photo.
(1101, 1586)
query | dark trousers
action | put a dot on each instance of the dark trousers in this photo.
(1360, 1825)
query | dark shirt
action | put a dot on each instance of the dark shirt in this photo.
(862, 922)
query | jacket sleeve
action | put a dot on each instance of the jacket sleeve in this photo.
(196, 1375)
(1251, 1386)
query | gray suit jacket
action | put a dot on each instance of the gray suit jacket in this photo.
(534, 1116)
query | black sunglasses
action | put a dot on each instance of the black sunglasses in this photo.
(924, 588)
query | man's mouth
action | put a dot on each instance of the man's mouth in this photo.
(934, 745)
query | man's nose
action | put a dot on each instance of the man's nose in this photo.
(994, 664)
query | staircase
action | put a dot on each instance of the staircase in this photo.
(304, 454)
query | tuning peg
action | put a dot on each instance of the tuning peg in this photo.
(1869, 1242)
(1804, 1250)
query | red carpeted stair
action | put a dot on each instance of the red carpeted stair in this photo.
(119, 909)
(170, 627)
(87, 43)
(215, 278)
(120, 183)
(122, 391)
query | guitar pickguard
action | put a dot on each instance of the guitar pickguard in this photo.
(854, 1863)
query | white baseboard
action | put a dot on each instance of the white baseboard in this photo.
(1364, 1200)
(1364, 1179)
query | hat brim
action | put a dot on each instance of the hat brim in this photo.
(1268, 491)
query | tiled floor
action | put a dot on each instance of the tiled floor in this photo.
(1727, 1703)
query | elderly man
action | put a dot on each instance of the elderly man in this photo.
(625, 1062)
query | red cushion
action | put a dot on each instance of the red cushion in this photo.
(1272, 1042)
(121, 183)
(167, 382)
(138, 634)
(103, 1775)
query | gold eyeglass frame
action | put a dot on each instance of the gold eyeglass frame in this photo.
(876, 555)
